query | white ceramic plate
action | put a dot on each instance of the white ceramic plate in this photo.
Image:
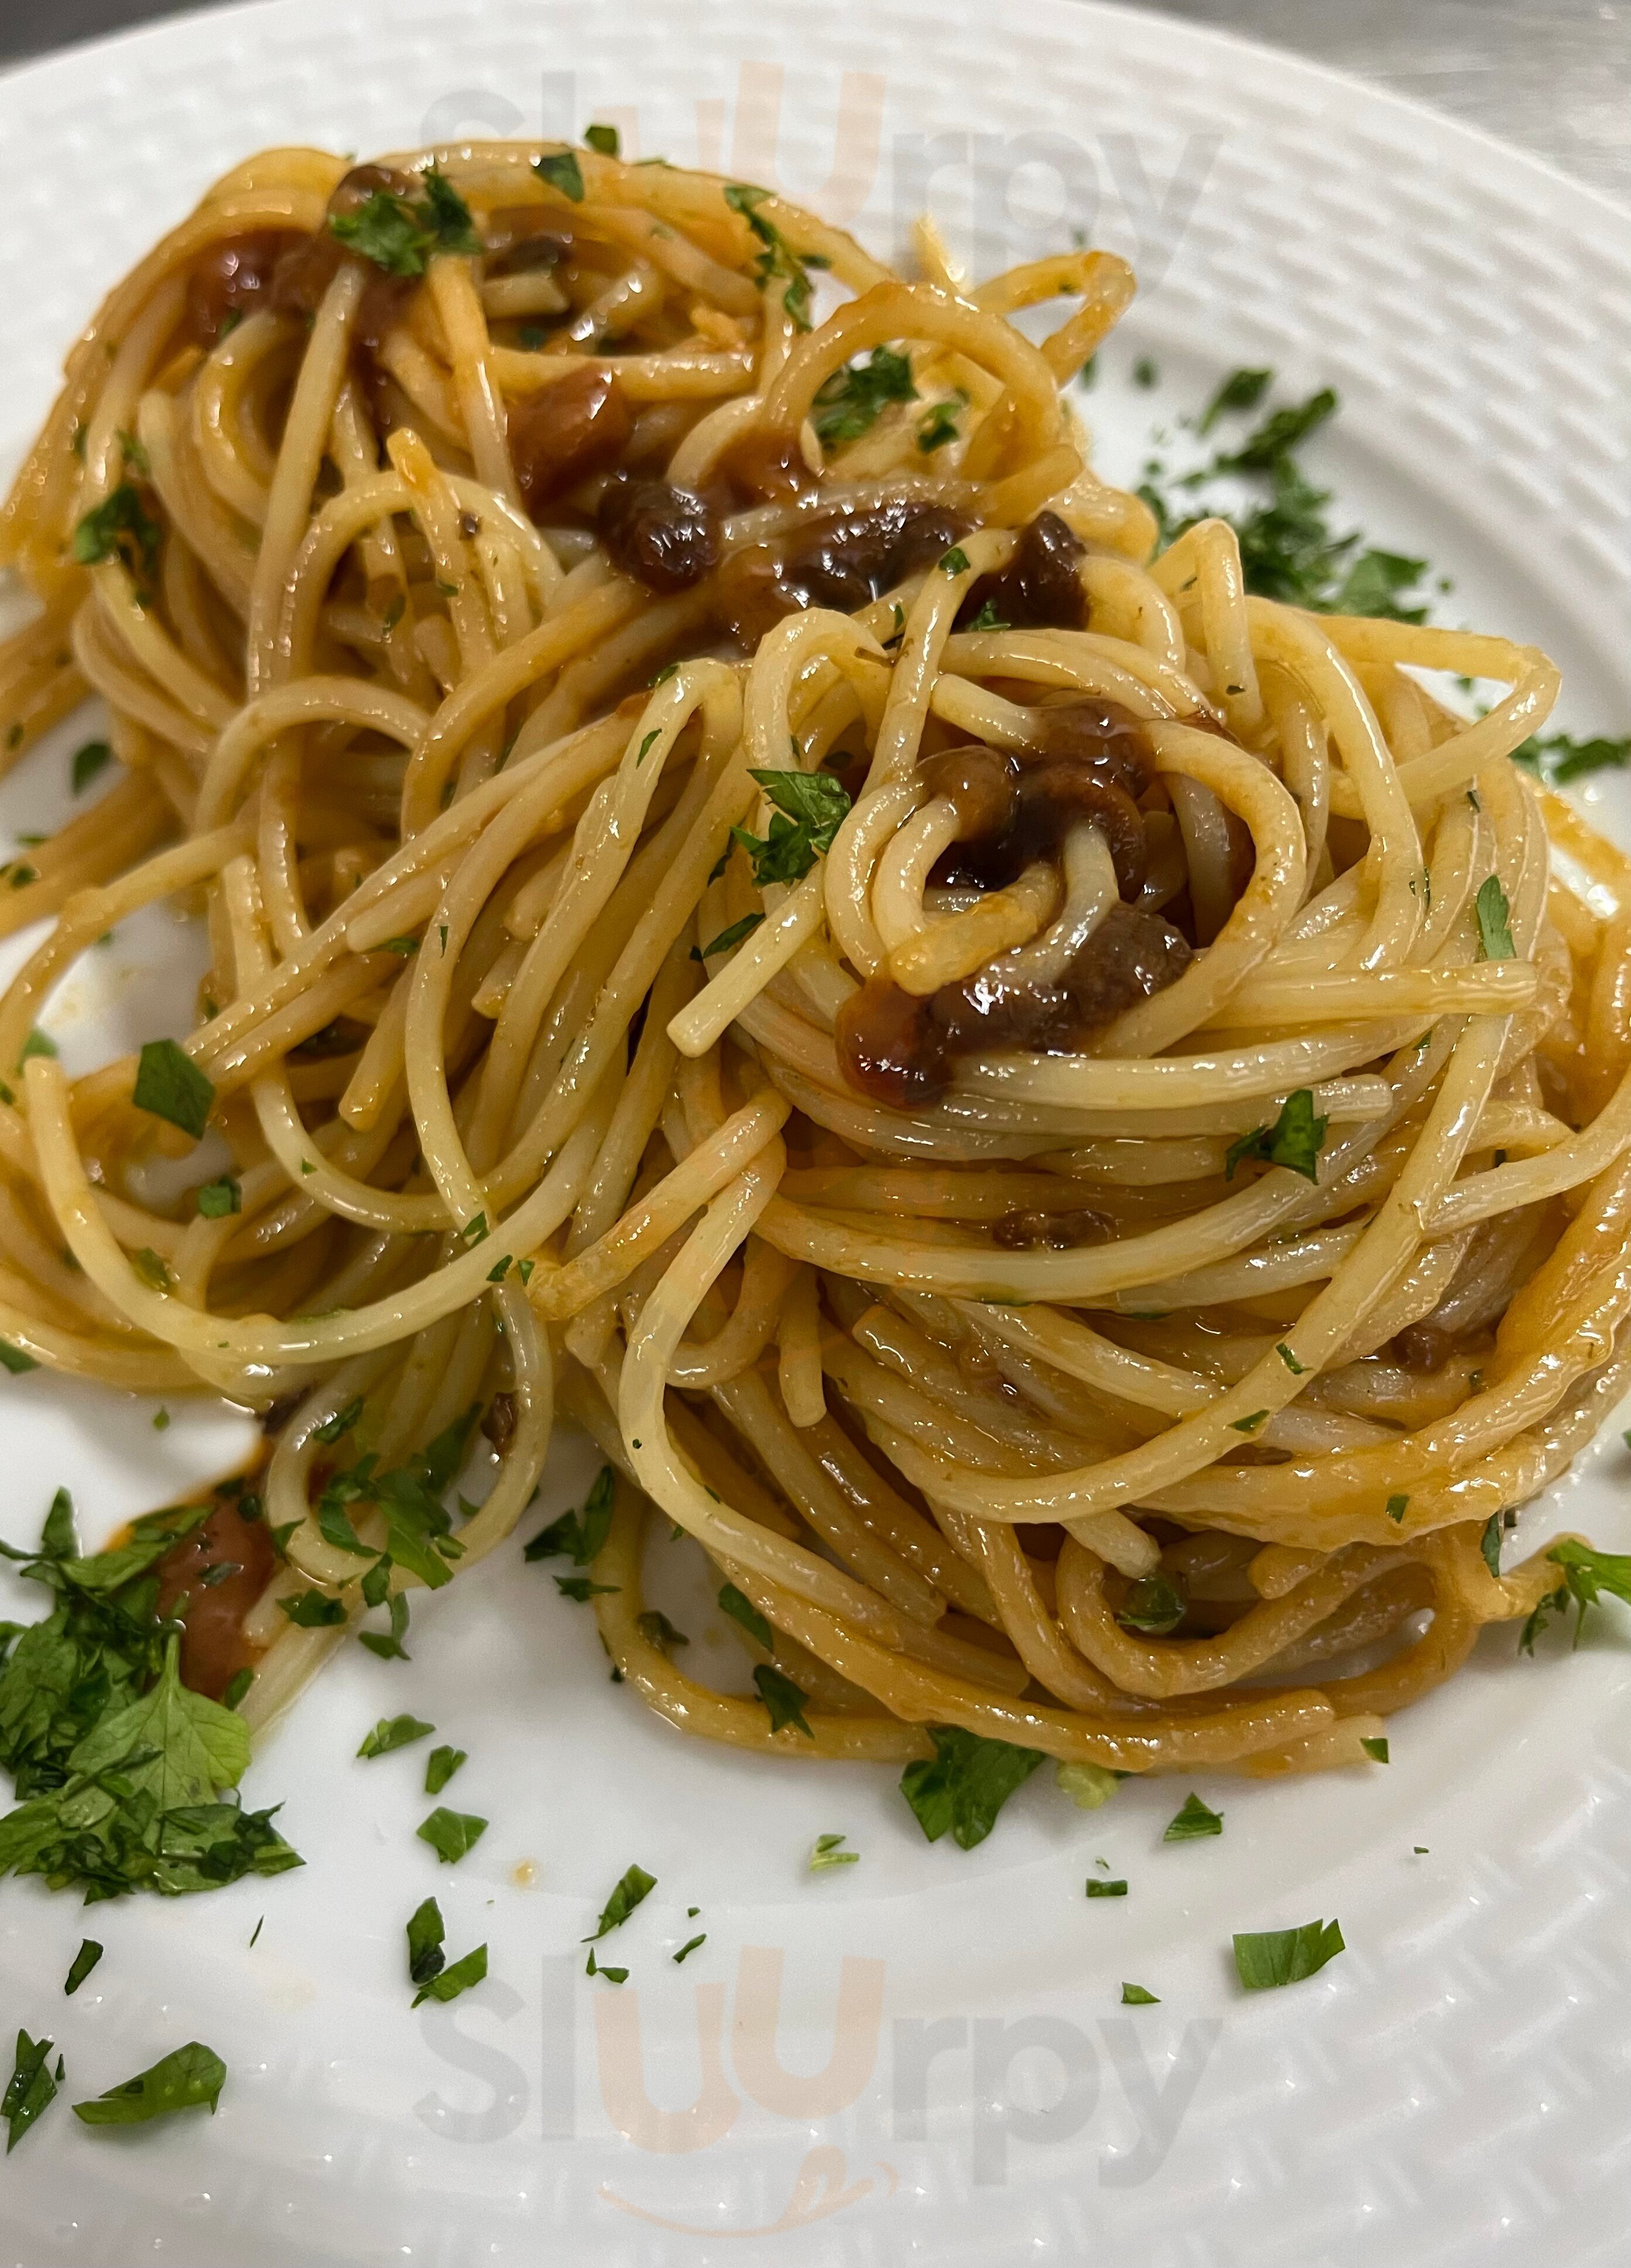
(923, 2057)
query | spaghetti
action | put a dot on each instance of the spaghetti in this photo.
(1057, 1116)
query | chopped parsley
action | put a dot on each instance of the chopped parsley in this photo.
(394, 1733)
(1288, 550)
(965, 1785)
(1266, 1958)
(848, 404)
(83, 1962)
(582, 1589)
(31, 2089)
(333, 1429)
(15, 1360)
(560, 170)
(1489, 1543)
(451, 1834)
(1194, 1820)
(441, 1765)
(1095, 1888)
(123, 1773)
(1397, 1507)
(218, 1198)
(939, 425)
(784, 1700)
(989, 619)
(313, 1609)
(633, 1886)
(1376, 1748)
(120, 527)
(1241, 391)
(741, 1609)
(1559, 757)
(426, 1964)
(728, 938)
(88, 760)
(1250, 1422)
(1153, 1605)
(602, 139)
(1133, 1996)
(400, 234)
(418, 1525)
(954, 562)
(828, 1852)
(1294, 1139)
(1494, 932)
(690, 1947)
(185, 2079)
(1587, 1574)
(656, 1629)
(426, 1931)
(778, 260)
(169, 1085)
(811, 808)
(578, 1536)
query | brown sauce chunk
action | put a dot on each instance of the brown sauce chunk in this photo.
(1058, 1231)
(663, 536)
(903, 1051)
(567, 432)
(213, 1645)
(1038, 589)
(234, 277)
(840, 559)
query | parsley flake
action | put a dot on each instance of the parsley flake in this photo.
(1195, 1819)
(169, 1085)
(394, 1733)
(965, 1785)
(1265, 1959)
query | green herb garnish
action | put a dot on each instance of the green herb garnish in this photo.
(965, 1785)
(728, 937)
(169, 1085)
(400, 234)
(88, 760)
(778, 260)
(451, 1834)
(83, 1962)
(1266, 1958)
(811, 808)
(191, 2075)
(440, 1765)
(578, 1536)
(1194, 1820)
(120, 527)
(848, 404)
(1153, 1605)
(31, 2089)
(784, 1700)
(1494, 932)
(741, 1609)
(633, 1886)
(1294, 1139)
(560, 170)
(393, 1733)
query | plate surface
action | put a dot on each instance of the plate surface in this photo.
(923, 2057)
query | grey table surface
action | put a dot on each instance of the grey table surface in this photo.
(1553, 75)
